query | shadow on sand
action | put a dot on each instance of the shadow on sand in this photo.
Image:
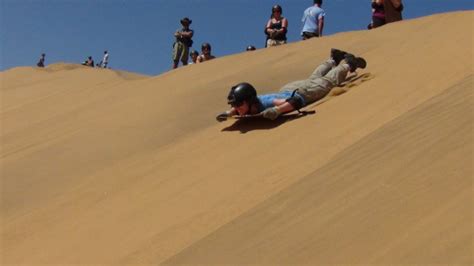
(245, 125)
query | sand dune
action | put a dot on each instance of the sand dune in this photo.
(109, 167)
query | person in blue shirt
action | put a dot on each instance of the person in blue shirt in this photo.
(313, 21)
(244, 100)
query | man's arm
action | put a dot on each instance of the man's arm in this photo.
(320, 26)
(187, 34)
(223, 116)
(281, 107)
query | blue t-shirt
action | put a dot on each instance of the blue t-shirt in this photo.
(266, 100)
(310, 18)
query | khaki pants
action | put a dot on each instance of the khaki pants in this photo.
(180, 52)
(322, 80)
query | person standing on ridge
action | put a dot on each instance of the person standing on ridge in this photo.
(276, 27)
(378, 14)
(313, 21)
(105, 60)
(41, 60)
(183, 42)
(393, 10)
(243, 97)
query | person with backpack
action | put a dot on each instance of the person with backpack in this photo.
(244, 100)
(183, 43)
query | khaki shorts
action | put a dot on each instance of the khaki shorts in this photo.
(271, 42)
(180, 52)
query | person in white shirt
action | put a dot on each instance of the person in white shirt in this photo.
(105, 60)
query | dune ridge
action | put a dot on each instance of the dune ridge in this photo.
(98, 168)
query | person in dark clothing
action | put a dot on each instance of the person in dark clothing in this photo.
(276, 28)
(385, 11)
(89, 62)
(41, 60)
(378, 14)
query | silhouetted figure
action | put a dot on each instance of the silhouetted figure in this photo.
(89, 62)
(41, 60)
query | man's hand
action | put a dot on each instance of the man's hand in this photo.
(223, 116)
(271, 113)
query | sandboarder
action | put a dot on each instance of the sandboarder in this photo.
(244, 101)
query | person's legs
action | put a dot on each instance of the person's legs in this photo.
(271, 43)
(377, 22)
(177, 51)
(322, 69)
(313, 90)
(185, 55)
(338, 74)
(294, 85)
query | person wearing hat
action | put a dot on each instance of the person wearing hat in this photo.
(276, 27)
(244, 100)
(205, 53)
(183, 42)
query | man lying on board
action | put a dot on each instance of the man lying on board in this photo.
(244, 101)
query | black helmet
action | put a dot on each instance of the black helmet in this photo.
(277, 8)
(206, 45)
(250, 48)
(240, 93)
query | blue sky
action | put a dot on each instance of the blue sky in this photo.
(139, 33)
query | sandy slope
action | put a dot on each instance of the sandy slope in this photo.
(110, 167)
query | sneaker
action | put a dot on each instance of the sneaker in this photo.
(337, 55)
(355, 62)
